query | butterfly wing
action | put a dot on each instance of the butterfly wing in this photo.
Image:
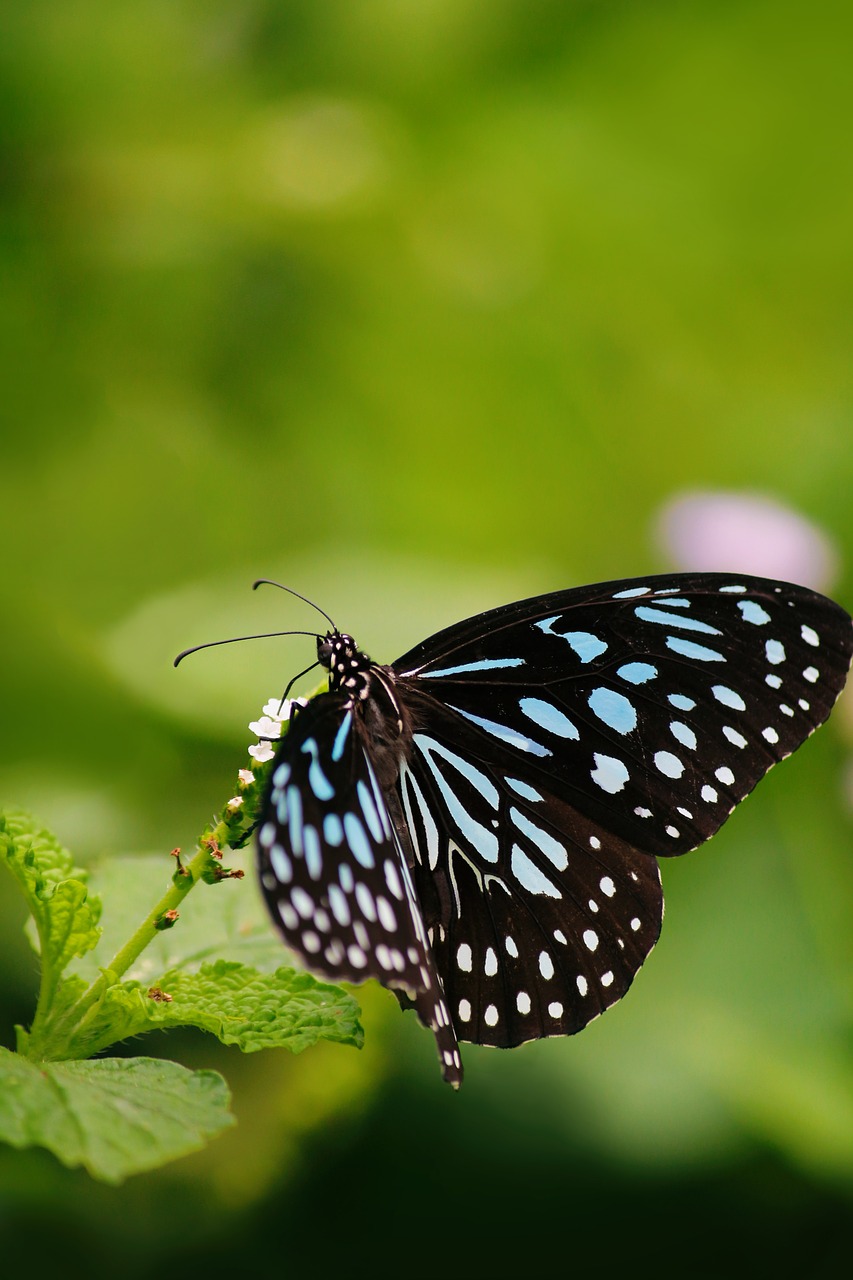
(332, 870)
(537, 917)
(561, 741)
(653, 708)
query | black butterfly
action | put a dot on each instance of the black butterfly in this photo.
(477, 825)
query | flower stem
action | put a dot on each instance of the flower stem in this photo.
(153, 922)
(55, 1034)
(51, 1042)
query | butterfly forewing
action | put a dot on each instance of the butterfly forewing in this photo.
(332, 871)
(653, 708)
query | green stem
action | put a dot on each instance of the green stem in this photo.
(50, 1042)
(47, 990)
(148, 930)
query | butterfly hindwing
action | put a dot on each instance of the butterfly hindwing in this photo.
(537, 924)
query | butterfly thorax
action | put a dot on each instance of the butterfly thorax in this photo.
(370, 690)
(348, 668)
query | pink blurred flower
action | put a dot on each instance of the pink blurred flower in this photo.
(746, 532)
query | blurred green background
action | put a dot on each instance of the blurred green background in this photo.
(424, 305)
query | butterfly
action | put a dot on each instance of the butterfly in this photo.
(478, 824)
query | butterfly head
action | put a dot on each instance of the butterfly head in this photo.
(348, 667)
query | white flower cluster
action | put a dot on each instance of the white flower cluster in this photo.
(275, 714)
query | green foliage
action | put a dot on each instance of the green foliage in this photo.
(118, 1116)
(65, 917)
(237, 1004)
(422, 307)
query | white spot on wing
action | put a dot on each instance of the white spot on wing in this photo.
(683, 734)
(609, 774)
(775, 651)
(668, 764)
(529, 876)
(543, 840)
(753, 612)
(728, 697)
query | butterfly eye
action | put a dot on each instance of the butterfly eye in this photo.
(325, 650)
(478, 825)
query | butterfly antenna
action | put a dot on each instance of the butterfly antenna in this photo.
(269, 582)
(265, 635)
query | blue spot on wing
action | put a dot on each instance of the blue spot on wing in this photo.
(690, 650)
(341, 737)
(637, 672)
(547, 716)
(586, 645)
(614, 709)
(357, 840)
(675, 620)
(317, 780)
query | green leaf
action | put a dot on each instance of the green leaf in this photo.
(69, 925)
(65, 915)
(287, 1009)
(116, 1116)
(34, 854)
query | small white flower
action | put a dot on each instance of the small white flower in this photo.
(246, 777)
(266, 727)
(234, 803)
(282, 711)
(261, 751)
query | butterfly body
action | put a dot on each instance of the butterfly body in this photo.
(477, 825)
